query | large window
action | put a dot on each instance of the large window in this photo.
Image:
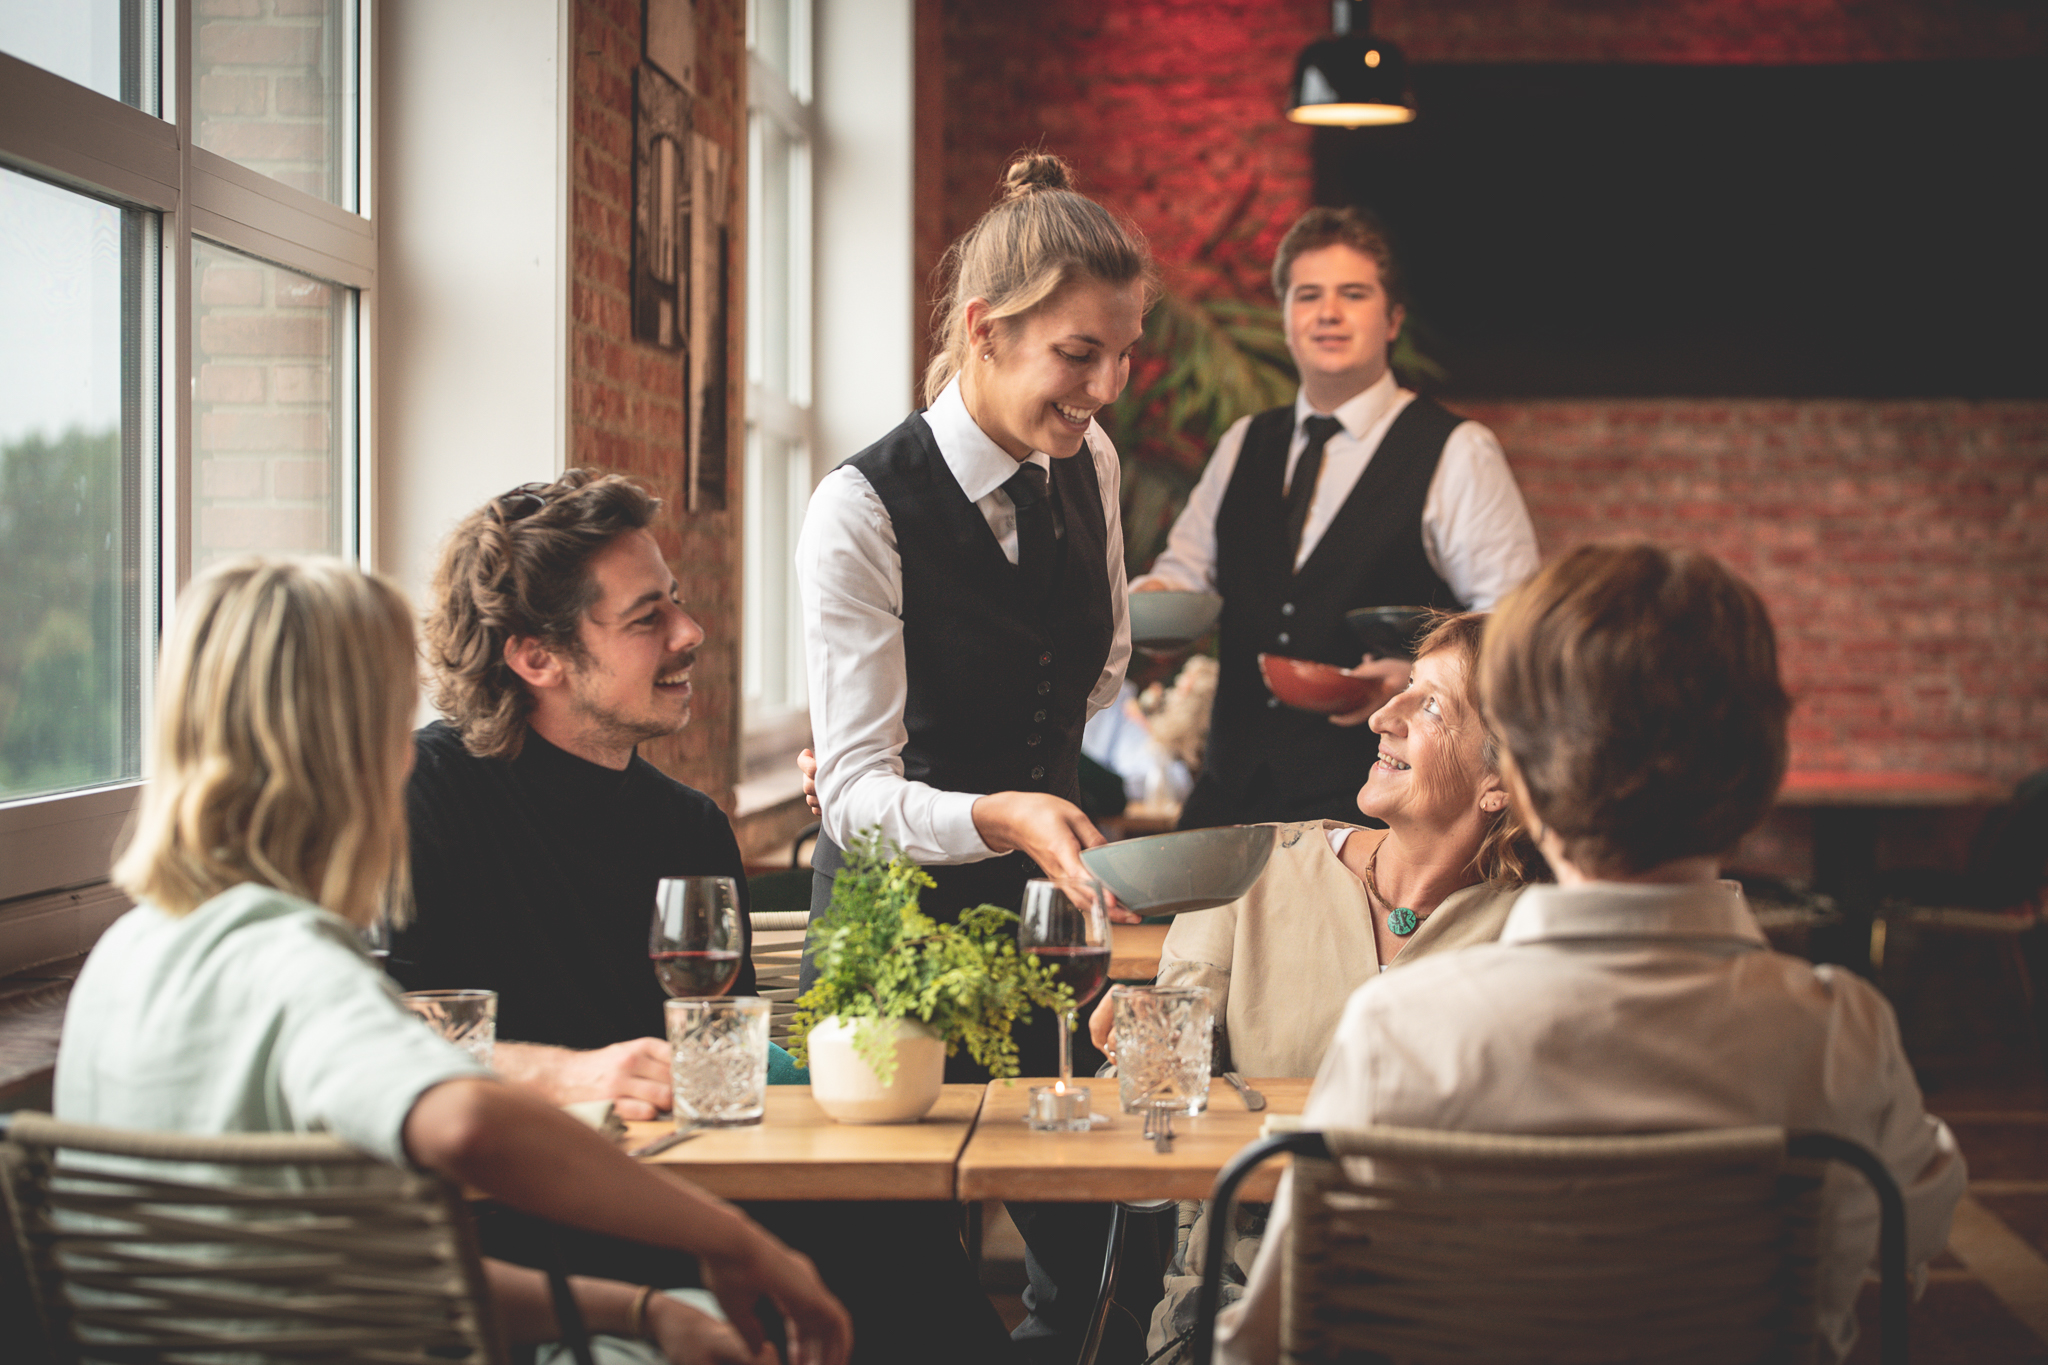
(780, 136)
(185, 256)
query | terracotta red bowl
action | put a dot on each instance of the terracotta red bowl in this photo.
(1310, 686)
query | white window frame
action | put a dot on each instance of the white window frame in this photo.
(775, 718)
(70, 135)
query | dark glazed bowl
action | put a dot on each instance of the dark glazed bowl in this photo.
(1387, 632)
(1190, 869)
(1309, 686)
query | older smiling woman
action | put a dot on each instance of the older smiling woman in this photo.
(1338, 904)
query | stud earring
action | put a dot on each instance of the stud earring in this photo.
(988, 355)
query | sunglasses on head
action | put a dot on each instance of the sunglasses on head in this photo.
(522, 501)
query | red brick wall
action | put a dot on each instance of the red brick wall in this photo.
(626, 397)
(1903, 546)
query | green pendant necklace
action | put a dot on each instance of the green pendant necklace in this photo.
(1400, 919)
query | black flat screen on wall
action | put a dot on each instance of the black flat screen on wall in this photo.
(1878, 230)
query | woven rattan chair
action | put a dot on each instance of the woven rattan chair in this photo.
(1569, 1250)
(249, 1246)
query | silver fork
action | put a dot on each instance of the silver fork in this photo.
(1253, 1100)
(1159, 1124)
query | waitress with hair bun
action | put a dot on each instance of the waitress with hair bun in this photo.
(962, 579)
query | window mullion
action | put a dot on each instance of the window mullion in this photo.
(82, 139)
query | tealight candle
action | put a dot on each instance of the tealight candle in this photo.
(1054, 1110)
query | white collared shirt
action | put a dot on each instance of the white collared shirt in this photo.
(1610, 1008)
(850, 579)
(1475, 527)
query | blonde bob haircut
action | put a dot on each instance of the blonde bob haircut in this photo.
(1039, 236)
(284, 706)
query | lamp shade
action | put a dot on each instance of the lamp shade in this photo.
(1350, 79)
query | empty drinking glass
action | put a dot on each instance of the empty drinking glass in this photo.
(468, 1019)
(719, 1059)
(1162, 1047)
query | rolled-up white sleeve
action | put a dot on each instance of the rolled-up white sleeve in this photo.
(850, 580)
(1475, 526)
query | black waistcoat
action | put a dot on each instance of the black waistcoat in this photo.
(1371, 555)
(998, 683)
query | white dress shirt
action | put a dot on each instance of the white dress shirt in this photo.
(1475, 528)
(1610, 1008)
(850, 578)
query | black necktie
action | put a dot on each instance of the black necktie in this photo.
(1301, 491)
(1037, 544)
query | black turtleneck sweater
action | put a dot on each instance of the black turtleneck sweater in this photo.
(535, 878)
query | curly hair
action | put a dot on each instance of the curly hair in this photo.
(519, 567)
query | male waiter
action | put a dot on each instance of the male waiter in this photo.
(1359, 494)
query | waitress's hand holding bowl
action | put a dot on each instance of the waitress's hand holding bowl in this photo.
(1048, 830)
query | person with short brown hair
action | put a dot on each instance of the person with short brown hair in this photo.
(1637, 689)
(1636, 695)
(1360, 493)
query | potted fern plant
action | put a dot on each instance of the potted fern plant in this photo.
(897, 992)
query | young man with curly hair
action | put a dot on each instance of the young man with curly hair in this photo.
(557, 643)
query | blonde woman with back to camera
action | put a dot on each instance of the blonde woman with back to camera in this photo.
(237, 995)
(1641, 719)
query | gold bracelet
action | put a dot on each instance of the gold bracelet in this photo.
(636, 1319)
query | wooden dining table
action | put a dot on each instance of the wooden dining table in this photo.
(797, 1151)
(973, 1145)
(1005, 1159)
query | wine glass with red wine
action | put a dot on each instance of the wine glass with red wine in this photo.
(1070, 938)
(695, 939)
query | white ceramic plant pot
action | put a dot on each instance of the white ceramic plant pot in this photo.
(845, 1087)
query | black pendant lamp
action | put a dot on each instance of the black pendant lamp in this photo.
(1350, 79)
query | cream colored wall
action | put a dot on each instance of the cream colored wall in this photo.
(471, 313)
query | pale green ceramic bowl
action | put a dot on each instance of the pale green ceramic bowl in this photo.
(1190, 869)
(1169, 620)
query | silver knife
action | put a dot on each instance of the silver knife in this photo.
(666, 1141)
(1253, 1100)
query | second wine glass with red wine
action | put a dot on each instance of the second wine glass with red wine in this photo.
(1069, 935)
(695, 939)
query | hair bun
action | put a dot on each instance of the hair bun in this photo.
(1034, 171)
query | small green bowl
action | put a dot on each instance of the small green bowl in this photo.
(1190, 869)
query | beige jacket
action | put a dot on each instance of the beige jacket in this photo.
(1281, 960)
